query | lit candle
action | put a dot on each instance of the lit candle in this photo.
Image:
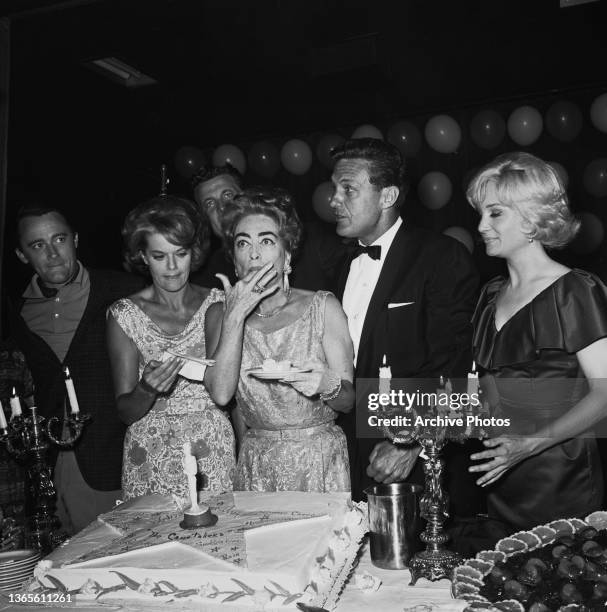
(442, 396)
(3, 424)
(15, 404)
(71, 392)
(472, 381)
(385, 376)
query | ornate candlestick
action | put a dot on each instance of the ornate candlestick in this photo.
(27, 438)
(431, 430)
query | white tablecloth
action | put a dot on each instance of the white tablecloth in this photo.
(394, 595)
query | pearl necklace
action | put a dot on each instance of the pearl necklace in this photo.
(267, 315)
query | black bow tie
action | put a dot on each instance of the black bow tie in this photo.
(47, 292)
(373, 251)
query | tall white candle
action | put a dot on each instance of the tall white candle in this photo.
(3, 423)
(15, 404)
(71, 392)
(472, 381)
(385, 377)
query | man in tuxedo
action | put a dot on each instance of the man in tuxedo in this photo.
(57, 321)
(410, 297)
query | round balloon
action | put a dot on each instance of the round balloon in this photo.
(367, 131)
(230, 154)
(462, 235)
(434, 190)
(406, 137)
(189, 160)
(487, 129)
(296, 156)
(598, 113)
(564, 120)
(325, 145)
(525, 125)
(443, 134)
(595, 177)
(590, 236)
(560, 170)
(321, 201)
(263, 159)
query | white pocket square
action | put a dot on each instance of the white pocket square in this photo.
(399, 304)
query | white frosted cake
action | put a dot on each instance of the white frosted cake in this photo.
(267, 551)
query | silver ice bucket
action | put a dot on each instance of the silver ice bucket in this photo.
(394, 523)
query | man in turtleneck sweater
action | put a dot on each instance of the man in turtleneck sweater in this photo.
(58, 321)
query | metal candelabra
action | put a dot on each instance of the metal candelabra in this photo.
(436, 561)
(26, 437)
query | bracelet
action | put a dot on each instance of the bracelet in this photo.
(146, 387)
(334, 388)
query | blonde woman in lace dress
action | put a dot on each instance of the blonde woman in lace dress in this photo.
(165, 238)
(289, 440)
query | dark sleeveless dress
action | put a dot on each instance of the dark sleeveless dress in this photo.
(530, 374)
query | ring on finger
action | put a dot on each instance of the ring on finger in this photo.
(257, 288)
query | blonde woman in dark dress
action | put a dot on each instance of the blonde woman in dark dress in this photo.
(541, 340)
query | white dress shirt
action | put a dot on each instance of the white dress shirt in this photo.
(360, 285)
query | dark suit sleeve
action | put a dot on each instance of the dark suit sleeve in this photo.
(451, 295)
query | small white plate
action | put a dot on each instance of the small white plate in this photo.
(275, 374)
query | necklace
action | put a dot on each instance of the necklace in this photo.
(267, 315)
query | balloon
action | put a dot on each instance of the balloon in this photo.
(296, 156)
(595, 177)
(560, 170)
(590, 236)
(598, 113)
(367, 131)
(487, 129)
(263, 159)
(324, 147)
(443, 134)
(406, 137)
(434, 190)
(564, 120)
(461, 234)
(189, 160)
(321, 199)
(525, 125)
(230, 154)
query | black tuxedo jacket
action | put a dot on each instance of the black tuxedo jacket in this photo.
(419, 316)
(99, 449)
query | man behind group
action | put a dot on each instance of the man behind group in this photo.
(409, 298)
(320, 254)
(59, 320)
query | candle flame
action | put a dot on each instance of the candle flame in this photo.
(383, 361)
(473, 366)
(66, 371)
(14, 392)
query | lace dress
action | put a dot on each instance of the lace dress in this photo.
(293, 443)
(153, 453)
(532, 376)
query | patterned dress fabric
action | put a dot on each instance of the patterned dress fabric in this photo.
(153, 453)
(532, 376)
(292, 443)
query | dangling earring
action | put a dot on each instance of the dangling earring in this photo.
(529, 240)
(285, 277)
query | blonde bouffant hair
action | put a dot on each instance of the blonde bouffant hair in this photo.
(534, 188)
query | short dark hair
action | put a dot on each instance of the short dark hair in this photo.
(385, 164)
(35, 209)
(273, 202)
(206, 173)
(177, 219)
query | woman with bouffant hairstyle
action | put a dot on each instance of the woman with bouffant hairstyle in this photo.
(286, 353)
(151, 336)
(540, 340)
